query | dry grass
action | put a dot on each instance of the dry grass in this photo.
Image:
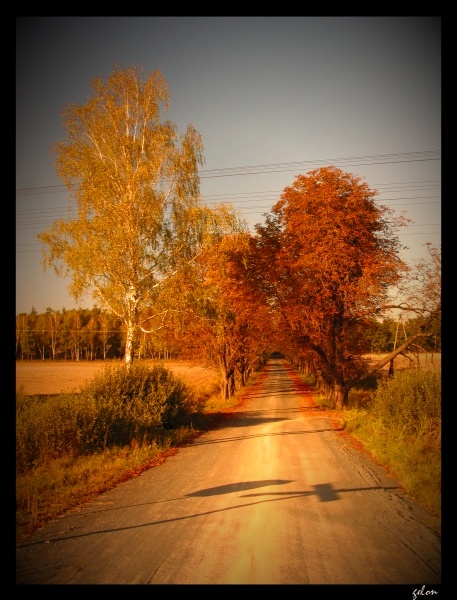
(56, 377)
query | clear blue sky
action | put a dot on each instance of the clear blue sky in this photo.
(272, 97)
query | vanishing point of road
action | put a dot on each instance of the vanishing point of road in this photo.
(274, 495)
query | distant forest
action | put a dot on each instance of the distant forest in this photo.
(95, 334)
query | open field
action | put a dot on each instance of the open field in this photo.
(408, 361)
(57, 377)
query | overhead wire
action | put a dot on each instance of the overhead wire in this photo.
(37, 218)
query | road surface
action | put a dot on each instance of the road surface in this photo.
(274, 495)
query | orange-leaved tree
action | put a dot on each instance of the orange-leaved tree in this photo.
(334, 253)
(229, 320)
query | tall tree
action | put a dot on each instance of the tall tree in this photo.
(135, 185)
(230, 321)
(334, 255)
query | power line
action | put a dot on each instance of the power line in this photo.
(37, 222)
(41, 218)
(426, 155)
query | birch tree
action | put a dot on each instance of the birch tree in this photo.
(135, 217)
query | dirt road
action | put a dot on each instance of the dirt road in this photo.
(275, 495)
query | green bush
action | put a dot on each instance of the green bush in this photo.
(117, 406)
(50, 427)
(401, 427)
(411, 401)
(133, 403)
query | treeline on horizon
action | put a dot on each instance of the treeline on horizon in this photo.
(96, 334)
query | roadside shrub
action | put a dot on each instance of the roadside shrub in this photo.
(50, 427)
(401, 427)
(410, 400)
(118, 406)
(134, 403)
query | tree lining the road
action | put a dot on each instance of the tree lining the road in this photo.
(334, 257)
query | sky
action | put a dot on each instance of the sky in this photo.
(272, 97)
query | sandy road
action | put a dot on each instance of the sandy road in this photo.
(273, 496)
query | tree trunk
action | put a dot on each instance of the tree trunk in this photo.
(228, 384)
(128, 358)
(340, 396)
(391, 368)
